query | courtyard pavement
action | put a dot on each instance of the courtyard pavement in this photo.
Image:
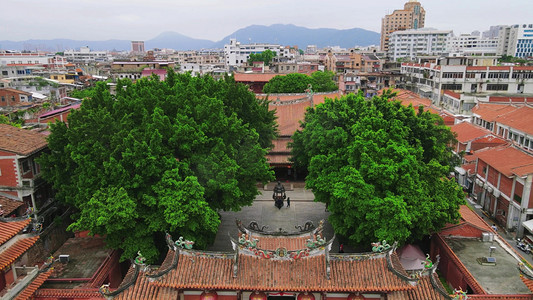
(302, 209)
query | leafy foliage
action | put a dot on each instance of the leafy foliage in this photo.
(380, 167)
(160, 156)
(265, 56)
(298, 83)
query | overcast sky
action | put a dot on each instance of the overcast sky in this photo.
(215, 19)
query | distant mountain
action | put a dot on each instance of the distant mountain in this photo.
(302, 36)
(276, 34)
(174, 40)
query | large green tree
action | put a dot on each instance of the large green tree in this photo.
(265, 56)
(380, 167)
(160, 156)
(298, 83)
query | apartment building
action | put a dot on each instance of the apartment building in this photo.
(412, 16)
(468, 80)
(236, 53)
(414, 42)
(516, 40)
(85, 55)
(472, 44)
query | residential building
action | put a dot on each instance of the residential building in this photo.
(137, 47)
(85, 55)
(12, 97)
(236, 54)
(467, 44)
(414, 42)
(412, 16)
(468, 80)
(20, 177)
(133, 69)
(20, 277)
(516, 40)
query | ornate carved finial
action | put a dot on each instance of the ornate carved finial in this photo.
(428, 264)
(184, 244)
(380, 247)
(170, 242)
(104, 289)
(317, 242)
(140, 259)
(459, 294)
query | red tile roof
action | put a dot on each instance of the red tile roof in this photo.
(452, 94)
(468, 216)
(10, 229)
(508, 160)
(82, 293)
(12, 253)
(491, 112)
(16, 91)
(528, 282)
(275, 242)
(424, 290)
(520, 119)
(27, 293)
(348, 274)
(20, 141)
(8, 206)
(254, 77)
(144, 290)
(467, 132)
(501, 297)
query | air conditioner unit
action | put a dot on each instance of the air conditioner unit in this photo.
(487, 237)
(64, 258)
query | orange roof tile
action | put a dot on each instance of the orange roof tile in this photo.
(467, 132)
(81, 293)
(27, 293)
(452, 94)
(491, 112)
(501, 297)
(254, 77)
(348, 273)
(508, 161)
(8, 206)
(12, 253)
(528, 282)
(10, 229)
(275, 242)
(424, 290)
(476, 68)
(20, 141)
(468, 216)
(520, 119)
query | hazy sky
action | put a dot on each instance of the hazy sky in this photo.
(215, 19)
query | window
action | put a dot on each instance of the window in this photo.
(13, 98)
(453, 87)
(3, 99)
(25, 166)
(497, 87)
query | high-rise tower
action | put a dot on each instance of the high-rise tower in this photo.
(412, 16)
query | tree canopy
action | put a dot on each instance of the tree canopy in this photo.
(265, 56)
(298, 83)
(160, 156)
(380, 167)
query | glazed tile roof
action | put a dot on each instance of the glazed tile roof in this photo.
(424, 290)
(28, 292)
(144, 290)
(8, 206)
(508, 160)
(467, 132)
(20, 141)
(12, 253)
(520, 119)
(196, 270)
(10, 229)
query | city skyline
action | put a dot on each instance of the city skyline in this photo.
(215, 19)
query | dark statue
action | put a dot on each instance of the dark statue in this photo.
(279, 195)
